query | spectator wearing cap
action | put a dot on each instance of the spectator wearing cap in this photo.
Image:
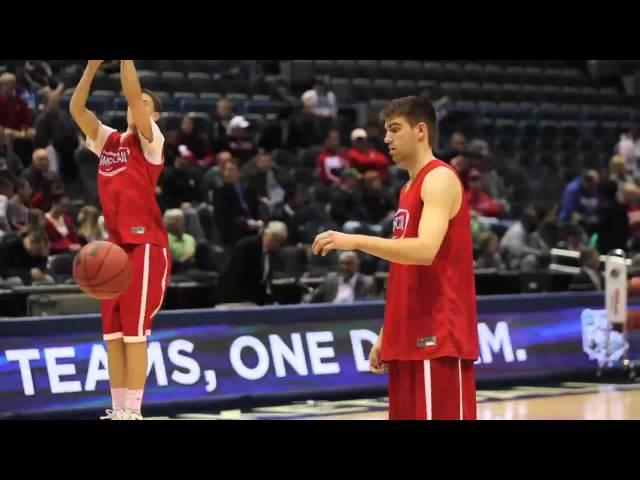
(236, 206)
(579, 201)
(332, 160)
(479, 201)
(362, 157)
(240, 144)
(346, 206)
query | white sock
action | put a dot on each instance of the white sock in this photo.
(133, 401)
(118, 396)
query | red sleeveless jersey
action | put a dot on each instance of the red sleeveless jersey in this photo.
(431, 309)
(127, 189)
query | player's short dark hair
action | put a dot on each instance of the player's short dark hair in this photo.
(157, 104)
(415, 110)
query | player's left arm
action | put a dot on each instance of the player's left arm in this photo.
(133, 93)
(441, 195)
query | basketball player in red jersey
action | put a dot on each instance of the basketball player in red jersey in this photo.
(429, 341)
(128, 172)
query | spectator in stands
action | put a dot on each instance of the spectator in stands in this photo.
(457, 146)
(55, 127)
(59, 226)
(89, 227)
(489, 256)
(579, 202)
(463, 165)
(236, 207)
(362, 157)
(43, 199)
(220, 125)
(294, 214)
(41, 76)
(629, 148)
(618, 173)
(14, 113)
(347, 208)
(25, 257)
(180, 183)
(240, 144)
(590, 277)
(35, 221)
(304, 131)
(38, 174)
(378, 203)
(375, 136)
(247, 277)
(321, 100)
(613, 221)
(480, 201)
(213, 177)
(18, 208)
(181, 187)
(332, 160)
(260, 175)
(6, 192)
(493, 182)
(522, 246)
(346, 286)
(192, 143)
(181, 245)
(10, 163)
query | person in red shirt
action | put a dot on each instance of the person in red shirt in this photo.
(14, 112)
(62, 233)
(362, 157)
(332, 160)
(429, 341)
(480, 201)
(128, 171)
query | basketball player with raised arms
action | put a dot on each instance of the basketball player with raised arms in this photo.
(128, 172)
(429, 340)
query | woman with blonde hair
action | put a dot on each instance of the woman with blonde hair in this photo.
(90, 227)
(628, 191)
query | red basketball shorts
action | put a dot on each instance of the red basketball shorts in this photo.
(438, 389)
(131, 314)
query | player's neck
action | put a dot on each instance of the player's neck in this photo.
(422, 159)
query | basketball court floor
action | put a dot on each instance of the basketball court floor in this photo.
(563, 401)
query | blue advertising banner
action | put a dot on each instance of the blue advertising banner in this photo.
(60, 363)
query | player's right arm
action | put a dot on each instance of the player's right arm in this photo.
(85, 118)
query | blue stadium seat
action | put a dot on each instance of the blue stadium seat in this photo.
(411, 69)
(198, 105)
(115, 119)
(200, 82)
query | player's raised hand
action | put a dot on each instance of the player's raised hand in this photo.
(94, 64)
(375, 363)
(330, 240)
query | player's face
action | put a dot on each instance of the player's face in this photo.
(402, 139)
(149, 107)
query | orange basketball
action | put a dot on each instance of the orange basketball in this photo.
(102, 270)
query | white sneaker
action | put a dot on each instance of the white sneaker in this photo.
(113, 415)
(129, 415)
